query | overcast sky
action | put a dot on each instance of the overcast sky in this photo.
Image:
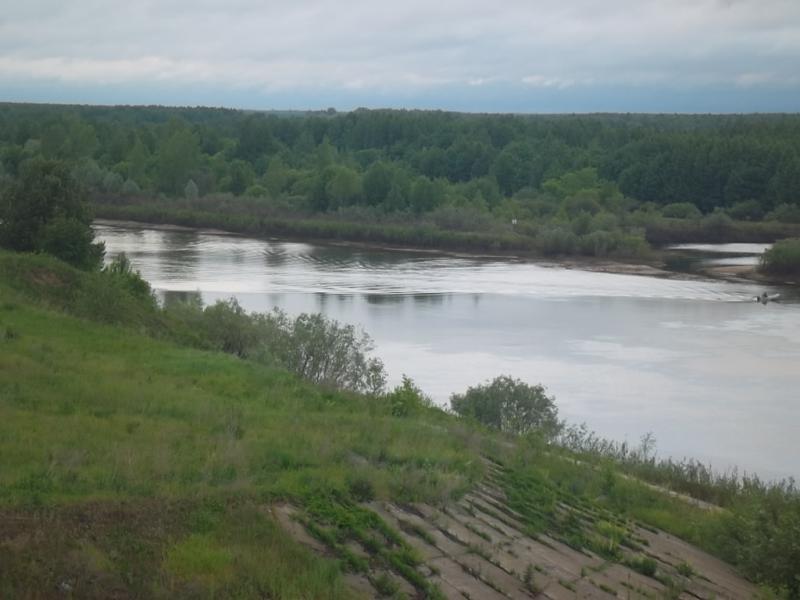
(508, 55)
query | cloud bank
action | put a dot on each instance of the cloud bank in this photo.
(514, 54)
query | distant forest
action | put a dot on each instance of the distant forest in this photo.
(579, 174)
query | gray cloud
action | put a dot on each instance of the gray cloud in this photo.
(412, 46)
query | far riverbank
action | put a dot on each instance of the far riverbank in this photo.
(457, 244)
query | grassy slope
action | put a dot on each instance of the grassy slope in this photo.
(97, 420)
(131, 463)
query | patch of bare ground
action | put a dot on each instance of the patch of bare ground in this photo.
(479, 547)
(748, 273)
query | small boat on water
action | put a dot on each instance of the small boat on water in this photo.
(765, 297)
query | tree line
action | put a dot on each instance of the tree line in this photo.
(412, 160)
(598, 185)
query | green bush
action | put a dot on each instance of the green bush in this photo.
(783, 258)
(44, 209)
(598, 243)
(761, 532)
(644, 565)
(230, 328)
(121, 272)
(509, 405)
(681, 210)
(717, 223)
(407, 399)
(555, 241)
(323, 351)
(361, 488)
(785, 213)
(746, 210)
(72, 241)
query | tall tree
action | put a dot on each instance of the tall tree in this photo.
(44, 209)
(178, 156)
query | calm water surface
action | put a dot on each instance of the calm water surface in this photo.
(711, 373)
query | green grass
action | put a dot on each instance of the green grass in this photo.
(157, 548)
(605, 505)
(93, 414)
(130, 461)
(92, 410)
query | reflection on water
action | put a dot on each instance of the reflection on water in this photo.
(711, 373)
(738, 248)
(724, 255)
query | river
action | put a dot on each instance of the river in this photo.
(711, 373)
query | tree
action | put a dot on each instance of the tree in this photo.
(138, 160)
(228, 327)
(190, 191)
(131, 188)
(240, 177)
(425, 194)
(277, 175)
(344, 187)
(324, 351)
(407, 399)
(178, 156)
(512, 167)
(112, 182)
(71, 241)
(509, 405)
(377, 183)
(44, 209)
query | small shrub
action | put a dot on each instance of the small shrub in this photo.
(643, 564)
(509, 405)
(530, 580)
(361, 489)
(121, 272)
(685, 569)
(324, 351)
(407, 399)
(71, 240)
(785, 213)
(230, 328)
(385, 585)
(717, 224)
(746, 210)
(554, 241)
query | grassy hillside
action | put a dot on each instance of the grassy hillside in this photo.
(134, 466)
(161, 457)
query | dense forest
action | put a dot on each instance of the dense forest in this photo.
(589, 184)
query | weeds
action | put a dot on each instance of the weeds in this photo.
(529, 579)
(685, 569)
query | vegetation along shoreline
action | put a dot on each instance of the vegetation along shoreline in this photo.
(656, 263)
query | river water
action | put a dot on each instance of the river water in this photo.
(711, 373)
